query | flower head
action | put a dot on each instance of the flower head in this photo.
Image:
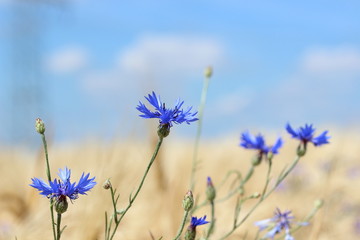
(258, 143)
(166, 116)
(306, 134)
(280, 221)
(190, 233)
(58, 190)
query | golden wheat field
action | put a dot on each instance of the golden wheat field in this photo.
(330, 172)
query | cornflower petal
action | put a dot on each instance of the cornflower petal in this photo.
(85, 184)
(198, 221)
(41, 186)
(64, 175)
(277, 146)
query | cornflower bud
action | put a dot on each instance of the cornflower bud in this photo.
(39, 126)
(301, 150)
(107, 184)
(163, 130)
(210, 190)
(61, 204)
(208, 72)
(188, 201)
(255, 195)
(319, 203)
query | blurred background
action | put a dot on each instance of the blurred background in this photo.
(82, 66)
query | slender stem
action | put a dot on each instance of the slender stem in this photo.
(46, 157)
(186, 213)
(132, 198)
(114, 203)
(212, 222)
(106, 226)
(58, 231)
(266, 195)
(267, 178)
(49, 179)
(198, 132)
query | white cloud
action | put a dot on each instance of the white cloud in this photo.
(157, 61)
(170, 54)
(338, 60)
(67, 60)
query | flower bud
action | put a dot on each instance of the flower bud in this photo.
(208, 72)
(301, 149)
(188, 201)
(319, 203)
(210, 190)
(39, 126)
(255, 195)
(256, 160)
(107, 184)
(163, 130)
(61, 205)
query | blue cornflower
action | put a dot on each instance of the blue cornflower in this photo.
(166, 116)
(279, 222)
(58, 190)
(306, 134)
(257, 142)
(191, 230)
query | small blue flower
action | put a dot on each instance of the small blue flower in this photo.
(279, 222)
(165, 115)
(197, 221)
(62, 188)
(306, 134)
(258, 143)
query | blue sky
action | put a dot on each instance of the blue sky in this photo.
(274, 62)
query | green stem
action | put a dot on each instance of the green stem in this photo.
(46, 157)
(49, 179)
(267, 178)
(186, 213)
(212, 222)
(58, 231)
(266, 195)
(114, 203)
(132, 199)
(242, 183)
(198, 132)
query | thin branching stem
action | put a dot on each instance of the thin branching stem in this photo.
(132, 198)
(232, 193)
(266, 195)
